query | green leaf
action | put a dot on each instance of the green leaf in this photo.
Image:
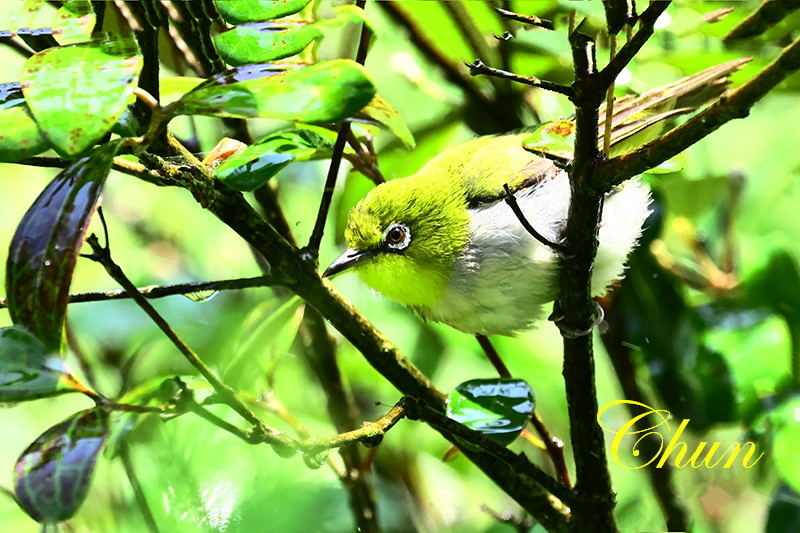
(28, 13)
(255, 165)
(498, 408)
(74, 22)
(381, 112)
(326, 92)
(173, 87)
(51, 477)
(786, 441)
(28, 371)
(20, 136)
(45, 247)
(261, 42)
(555, 138)
(239, 11)
(78, 92)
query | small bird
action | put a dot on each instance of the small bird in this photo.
(431, 243)
(445, 243)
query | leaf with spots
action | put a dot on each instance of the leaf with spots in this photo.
(28, 371)
(555, 139)
(78, 92)
(74, 22)
(20, 136)
(326, 92)
(51, 477)
(45, 247)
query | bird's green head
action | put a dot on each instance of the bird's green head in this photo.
(404, 238)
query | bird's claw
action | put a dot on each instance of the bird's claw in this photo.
(572, 333)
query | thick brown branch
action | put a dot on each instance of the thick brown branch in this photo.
(763, 18)
(593, 509)
(735, 104)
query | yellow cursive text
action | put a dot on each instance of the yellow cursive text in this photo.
(675, 449)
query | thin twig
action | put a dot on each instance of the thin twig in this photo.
(554, 447)
(184, 289)
(336, 156)
(511, 200)
(493, 356)
(364, 160)
(647, 22)
(478, 67)
(370, 434)
(526, 19)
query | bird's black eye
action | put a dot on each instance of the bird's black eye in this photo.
(397, 237)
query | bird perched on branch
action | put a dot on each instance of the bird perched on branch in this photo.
(445, 243)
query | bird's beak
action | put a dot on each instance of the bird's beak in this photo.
(349, 259)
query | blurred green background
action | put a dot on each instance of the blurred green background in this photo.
(197, 478)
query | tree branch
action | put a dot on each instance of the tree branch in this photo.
(735, 104)
(647, 22)
(478, 67)
(769, 13)
(184, 289)
(525, 19)
(520, 478)
(593, 509)
(260, 429)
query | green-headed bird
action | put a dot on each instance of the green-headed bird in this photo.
(445, 243)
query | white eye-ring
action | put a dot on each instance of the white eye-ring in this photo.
(397, 237)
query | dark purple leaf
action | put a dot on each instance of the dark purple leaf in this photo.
(47, 242)
(51, 477)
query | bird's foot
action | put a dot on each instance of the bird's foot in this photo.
(572, 333)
